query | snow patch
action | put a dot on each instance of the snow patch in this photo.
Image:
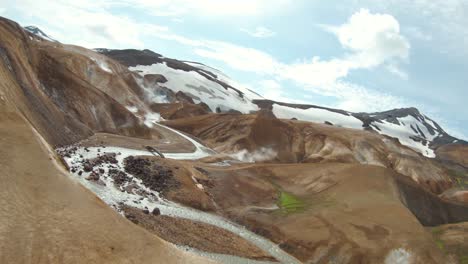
(132, 109)
(399, 256)
(199, 88)
(317, 115)
(406, 135)
(152, 94)
(102, 64)
(410, 131)
(152, 118)
(226, 79)
(36, 31)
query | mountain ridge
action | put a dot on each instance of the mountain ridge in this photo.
(385, 122)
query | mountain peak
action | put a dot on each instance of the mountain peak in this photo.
(38, 32)
(398, 112)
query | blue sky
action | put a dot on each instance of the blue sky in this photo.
(370, 55)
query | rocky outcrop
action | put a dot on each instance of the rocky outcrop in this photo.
(430, 209)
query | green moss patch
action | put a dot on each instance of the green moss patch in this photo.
(289, 203)
(463, 260)
(460, 178)
(436, 232)
(440, 245)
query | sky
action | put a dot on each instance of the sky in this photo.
(361, 56)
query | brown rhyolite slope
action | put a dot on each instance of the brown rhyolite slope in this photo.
(453, 241)
(180, 110)
(304, 142)
(44, 216)
(68, 94)
(196, 235)
(352, 213)
(65, 93)
(47, 218)
(454, 152)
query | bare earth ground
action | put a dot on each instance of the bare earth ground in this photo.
(196, 235)
(169, 142)
(352, 213)
(452, 240)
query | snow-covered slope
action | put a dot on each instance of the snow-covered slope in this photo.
(409, 130)
(205, 84)
(226, 79)
(317, 115)
(201, 89)
(416, 131)
(200, 82)
(408, 125)
(38, 32)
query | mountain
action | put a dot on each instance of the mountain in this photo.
(118, 156)
(198, 81)
(46, 217)
(39, 33)
(208, 85)
(408, 125)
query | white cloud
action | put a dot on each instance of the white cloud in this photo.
(2, 10)
(87, 24)
(382, 44)
(260, 32)
(214, 8)
(361, 99)
(238, 57)
(271, 89)
(417, 33)
(445, 20)
(394, 69)
(316, 72)
(92, 25)
(373, 38)
(177, 20)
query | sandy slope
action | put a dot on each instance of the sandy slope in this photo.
(453, 240)
(46, 218)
